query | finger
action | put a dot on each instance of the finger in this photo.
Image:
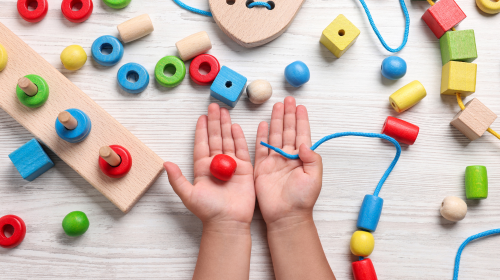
(214, 131)
(276, 132)
(303, 127)
(201, 148)
(261, 152)
(289, 125)
(179, 183)
(227, 136)
(240, 143)
(313, 164)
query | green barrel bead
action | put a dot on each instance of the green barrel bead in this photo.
(176, 78)
(476, 182)
(75, 223)
(117, 4)
(39, 98)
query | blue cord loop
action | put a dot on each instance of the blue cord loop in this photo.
(194, 10)
(262, 4)
(374, 27)
(461, 248)
(348, 133)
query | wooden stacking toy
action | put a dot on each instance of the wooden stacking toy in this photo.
(73, 125)
(17, 235)
(32, 91)
(228, 86)
(407, 96)
(339, 35)
(193, 45)
(443, 16)
(115, 161)
(474, 119)
(208, 63)
(80, 15)
(476, 182)
(31, 160)
(403, 132)
(36, 15)
(135, 28)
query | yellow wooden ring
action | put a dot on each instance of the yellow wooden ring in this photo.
(3, 57)
(489, 6)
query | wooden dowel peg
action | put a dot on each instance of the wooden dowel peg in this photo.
(67, 120)
(27, 86)
(110, 156)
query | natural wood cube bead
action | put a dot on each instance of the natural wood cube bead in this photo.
(458, 77)
(339, 35)
(458, 46)
(474, 120)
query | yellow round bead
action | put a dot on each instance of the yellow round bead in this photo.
(362, 243)
(3, 57)
(73, 57)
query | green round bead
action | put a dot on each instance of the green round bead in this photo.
(176, 78)
(75, 223)
(117, 4)
(39, 98)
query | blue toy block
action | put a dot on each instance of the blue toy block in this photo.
(370, 212)
(228, 86)
(31, 160)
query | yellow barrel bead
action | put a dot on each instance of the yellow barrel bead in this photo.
(3, 57)
(73, 57)
(362, 243)
(489, 6)
(407, 96)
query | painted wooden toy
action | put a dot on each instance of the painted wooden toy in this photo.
(164, 64)
(362, 243)
(403, 132)
(73, 125)
(208, 63)
(117, 4)
(40, 9)
(4, 57)
(75, 223)
(339, 35)
(223, 167)
(259, 91)
(407, 96)
(133, 78)
(254, 26)
(73, 57)
(80, 15)
(364, 270)
(458, 45)
(123, 193)
(114, 161)
(297, 73)
(31, 160)
(393, 68)
(193, 45)
(458, 77)
(228, 86)
(135, 28)
(474, 120)
(443, 16)
(489, 6)
(370, 212)
(453, 209)
(32, 91)
(476, 182)
(18, 234)
(107, 50)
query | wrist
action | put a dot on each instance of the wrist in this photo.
(226, 227)
(291, 222)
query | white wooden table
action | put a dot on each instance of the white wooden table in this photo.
(160, 238)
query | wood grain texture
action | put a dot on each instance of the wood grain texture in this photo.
(159, 238)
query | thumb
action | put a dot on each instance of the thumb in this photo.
(179, 183)
(313, 164)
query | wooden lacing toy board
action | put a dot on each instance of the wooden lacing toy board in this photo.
(83, 157)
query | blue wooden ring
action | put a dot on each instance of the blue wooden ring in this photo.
(140, 73)
(80, 132)
(107, 42)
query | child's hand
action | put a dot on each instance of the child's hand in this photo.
(215, 202)
(287, 189)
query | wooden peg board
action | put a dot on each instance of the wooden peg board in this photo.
(83, 156)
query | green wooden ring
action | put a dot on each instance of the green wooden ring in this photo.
(117, 4)
(174, 80)
(39, 98)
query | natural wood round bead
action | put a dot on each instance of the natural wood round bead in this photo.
(453, 209)
(259, 91)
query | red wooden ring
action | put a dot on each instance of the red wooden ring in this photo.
(364, 270)
(77, 16)
(32, 16)
(204, 80)
(18, 234)
(120, 170)
(403, 132)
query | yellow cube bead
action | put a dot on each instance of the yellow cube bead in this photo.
(458, 77)
(339, 36)
(3, 57)
(73, 57)
(362, 243)
(407, 96)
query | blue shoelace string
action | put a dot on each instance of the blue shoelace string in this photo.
(209, 14)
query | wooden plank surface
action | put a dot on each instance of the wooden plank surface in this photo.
(159, 238)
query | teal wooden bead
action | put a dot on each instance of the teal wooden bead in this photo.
(458, 46)
(476, 182)
(75, 223)
(176, 78)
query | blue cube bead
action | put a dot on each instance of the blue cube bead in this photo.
(228, 86)
(370, 212)
(297, 73)
(31, 160)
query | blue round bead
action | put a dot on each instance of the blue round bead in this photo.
(107, 50)
(393, 67)
(80, 132)
(297, 73)
(133, 78)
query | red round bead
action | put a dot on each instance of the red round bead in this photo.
(403, 132)
(364, 270)
(223, 167)
(208, 62)
(37, 14)
(77, 16)
(18, 234)
(122, 169)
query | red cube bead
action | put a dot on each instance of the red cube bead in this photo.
(403, 132)
(364, 270)
(443, 16)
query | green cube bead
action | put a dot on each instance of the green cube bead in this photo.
(476, 182)
(458, 46)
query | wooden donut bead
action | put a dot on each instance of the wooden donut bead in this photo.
(18, 234)
(453, 209)
(259, 91)
(32, 16)
(77, 16)
(120, 170)
(193, 45)
(117, 4)
(176, 78)
(206, 61)
(362, 243)
(476, 182)
(407, 96)
(403, 132)
(107, 42)
(135, 28)
(489, 6)
(364, 270)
